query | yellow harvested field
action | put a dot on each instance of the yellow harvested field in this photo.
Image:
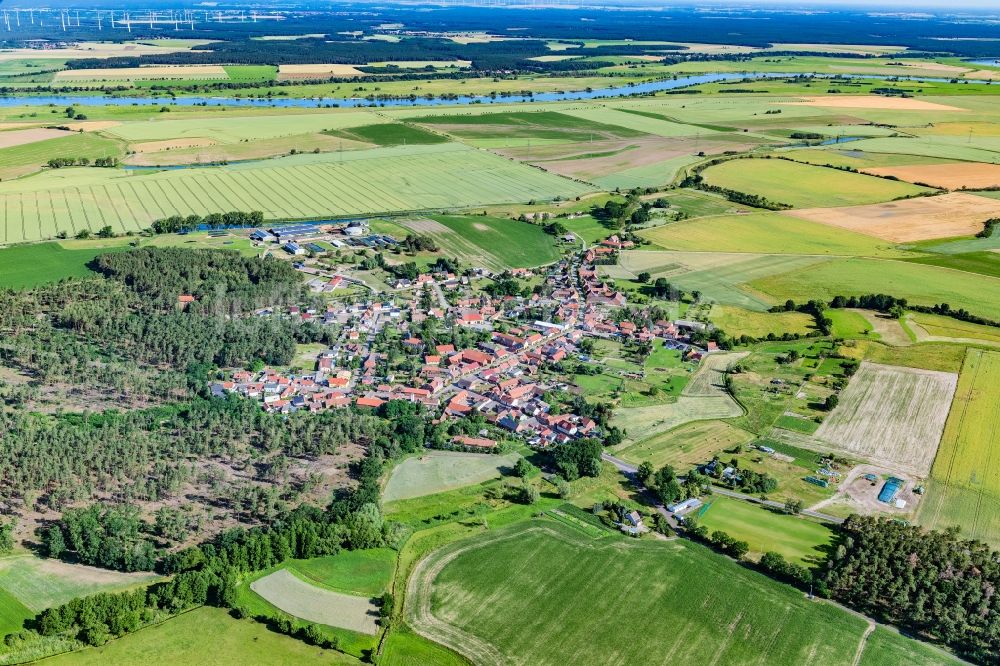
(873, 102)
(21, 137)
(317, 70)
(171, 144)
(985, 74)
(152, 72)
(920, 218)
(891, 416)
(91, 125)
(974, 175)
(90, 50)
(418, 64)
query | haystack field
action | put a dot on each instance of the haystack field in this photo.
(892, 416)
(921, 218)
(974, 175)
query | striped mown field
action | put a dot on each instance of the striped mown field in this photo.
(384, 180)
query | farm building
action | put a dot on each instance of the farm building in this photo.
(292, 232)
(890, 490)
(262, 236)
(686, 505)
(293, 248)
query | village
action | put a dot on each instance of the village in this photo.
(386, 346)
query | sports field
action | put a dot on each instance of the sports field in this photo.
(438, 471)
(764, 233)
(308, 186)
(797, 539)
(315, 604)
(532, 593)
(803, 185)
(966, 473)
(183, 641)
(918, 283)
(891, 416)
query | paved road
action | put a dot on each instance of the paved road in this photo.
(629, 470)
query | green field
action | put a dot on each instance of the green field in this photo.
(231, 128)
(364, 573)
(847, 324)
(966, 471)
(720, 276)
(797, 539)
(307, 186)
(983, 262)
(13, 613)
(390, 134)
(439, 471)
(495, 242)
(763, 233)
(679, 601)
(204, 635)
(803, 185)
(30, 157)
(536, 125)
(737, 321)
(31, 265)
(686, 446)
(886, 647)
(920, 284)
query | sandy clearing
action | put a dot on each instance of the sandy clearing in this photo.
(318, 69)
(920, 218)
(973, 175)
(171, 144)
(891, 416)
(873, 102)
(152, 72)
(22, 137)
(299, 598)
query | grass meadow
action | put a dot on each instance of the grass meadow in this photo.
(686, 446)
(191, 638)
(803, 185)
(31, 265)
(886, 647)
(766, 232)
(363, 573)
(435, 472)
(512, 244)
(548, 584)
(737, 321)
(30, 157)
(920, 284)
(966, 472)
(799, 540)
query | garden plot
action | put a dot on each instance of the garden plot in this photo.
(892, 416)
(921, 218)
(298, 598)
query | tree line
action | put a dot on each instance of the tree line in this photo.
(181, 223)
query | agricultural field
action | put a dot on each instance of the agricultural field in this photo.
(42, 583)
(30, 265)
(922, 218)
(439, 471)
(920, 284)
(767, 232)
(739, 619)
(719, 276)
(984, 263)
(952, 176)
(965, 488)
(935, 328)
(20, 160)
(641, 423)
(389, 134)
(799, 540)
(182, 641)
(505, 243)
(303, 600)
(886, 647)
(363, 573)
(805, 186)
(519, 127)
(891, 416)
(155, 73)
(307, 186)
(686, 446)
(737, 321)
